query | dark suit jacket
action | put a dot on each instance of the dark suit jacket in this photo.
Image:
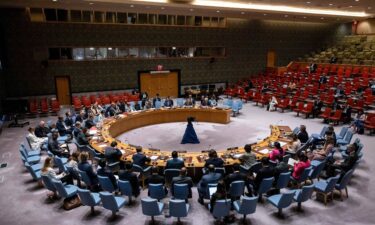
(217, 162)
(89, 123)
(140, 159)
(174, 164)
(86, 167)
(303, 137)
(168, 103)
(137, 107)
(107, 173)
(68, 121)
(112, 154)
(182, 180)
(264, 172)
(154, 100)
(155, 179)
(81, 139)
(208, 179)
(79, 118)
(236, 176)
(54, 147)
(126, 175)
(41, 131)
(61, 127)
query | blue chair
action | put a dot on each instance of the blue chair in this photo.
(30, 159)
(346, 140)
(89, 199)
(302, 195)
(244, 169)
(29, 152)
(178, 208)
(344, 183)
(60, 164)
(169, 174)
(47, 182)
(343, 148)
(207, 195)
(265, 186)
(228, 102)
(220, 170)
(245, 206)
(35, 167)
(64, 191)
(144, 173)
(221, 208)
(180, 102)
(181, 191)
(304, 176)
(235, 108)
(111, 202)
(283, 180)
(94, 155)
(255, 167)
(106, 184)
(281, 201)
(326, 187)
(157, 104)
(126, 189)
(35, 174)
(295, 130)
(240, 104)
(151, 207)
(342, 133)
(345, 155)
(236, 189)
(156, 191)
(85, 178)
(321, 134)
(318, 167)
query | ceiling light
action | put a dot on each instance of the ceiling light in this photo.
(109, 48)
(162, 8)
(217, 11)
(131, 6)
(274, 8)
(54, 0)
(350, 6)
(91, 49)
(304, 17)
(242, 13)
(286, 15)
(191, 10)
(308, 2)
(357, 0)
(330, 4)
(322, 18)
(264, 14)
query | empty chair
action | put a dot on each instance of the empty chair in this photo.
(246, 205)
(35, 174)
(30, 159)
(29, 152)
(64, 191)
(286, 158)
(281, 201)
(220, 170)
(47, 182)
(156, 191)
(344, 183)
(143, 173)
(181, 191)
(106, 184)
(342, 133)
(111, 202)
(89, 199)
(283, 180)
(126, 189)
(236, 189)
(302, 195)
(321, 134)
(221, 208)
(265, 186)
(178, 208)
(326, 187)
(151, 207)
(60, 164)
(347, 138)
(318, 167)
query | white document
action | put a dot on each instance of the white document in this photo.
(264, 151)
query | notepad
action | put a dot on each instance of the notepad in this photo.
(291, 162)
(123, 151)
(212, 190)
(264, 151)
(282, 143)
(103, 145)
(92, 132)
(154, 157)
(94, 138)
(237, 156)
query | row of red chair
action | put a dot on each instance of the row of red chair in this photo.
(42, 106)
(87, 101)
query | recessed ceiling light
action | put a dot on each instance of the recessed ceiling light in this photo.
(191, 10)
(109, 48)
(322, 18)
(264, 14)
(91, 3)
(54, 0)
(357, 0)
(131, 6)
(350, 6)
(242, 13)
(286, 15)
(308, 2)
(217, 11)
(162, 8)
(304, 17)
(330, 4)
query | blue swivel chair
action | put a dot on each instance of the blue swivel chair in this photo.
(89, 199)
(106, 184)
(317, 170)
(126, 189)
(151, 207)
(111, 202)
(144, 173)
(321, 134)
(47, 182)
(181, 191)
(326, 187)
(281, 201)
(264, 187)
(344, 183)
(169, 174)
(236, 189)
(180, 102)
(178, 208)
(302, 195)
(35, 174)
(346, 140)
(156, 191)
(283, 180)
(60, 164)
(85, 178)
(221, 208)
(29, 152)
(245, 206)
(342, 133)
(255, 167)
(30, 159)
(220, 170)
(304, 176)
(157, 104)
(64, 191)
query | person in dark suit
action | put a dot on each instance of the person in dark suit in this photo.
(77, 129)
(209, 178)
(190, 101)
(111, 110)
(157, 98)
(104, 171)
(213, 159)
(90, 122)
(139, 158)
(168, 102)
(55, 148)
(41, 130)
(237, 176)
(137, 106)
(112, 154)
(85, 166)
(80, 117)
(182, 179)
(302, 135)
(127, 174)
(122, 106)
(205, 102)
(81, 137)
(266, 171)
(60, 126)
(68, 120)
(155, 178)
(175, 162)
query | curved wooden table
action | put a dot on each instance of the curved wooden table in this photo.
(113, 127)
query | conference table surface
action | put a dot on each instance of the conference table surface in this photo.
(114, 126)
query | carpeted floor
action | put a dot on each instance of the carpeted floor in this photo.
(23, 202)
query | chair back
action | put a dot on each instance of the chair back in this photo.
(60, 164)
(221, 208)
(343, 132)
(331, 183)
(86, 197)
(286, 199)
(286, 158)
(156, 191)
(137, 168)
(48, 183)
(106, 184)
(180, 102)
(157, 104)
(220, 170)
(345, 180)
(170, 173)
(180, 191)
(60, 188)
(305, 174)
(283, 180)
(295, 130)
(178, 208)
(108, 201)
(85, 177)
(125, 187)
(248, 205)
(34, 174)
(317, 170)
(244, 169)
(265, 185)
(323, 131)
(236, 188)
(255, 167)
(305, 193)
(348, 136)
(150, 207)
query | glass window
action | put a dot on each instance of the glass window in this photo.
(214, 21)
(112, 52)
(182, 52)
(190, 20)
(180, 20)
(78, 53)
(90, 53)
(133, 52)
(101, 53)
(123, 52)
(190, 52)
(206, 21)
(75, 16)
(121, 17)
(98, 17)
(171, 20)
(218, 52)
(87, 16)
(132, 18)
(162, 19)
(50, 14)
(162, 52)
(36, 15)
(142, 18)
(110, 17)
(62, 15)
(152, 19)
(66, 53)
(198, 21)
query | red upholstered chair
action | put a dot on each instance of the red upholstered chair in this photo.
(33, 107)
(92, 99)
(370, 126)
(329, 100)
(55, 106)
(264, 100)
(308, 109)
(369, 100)
(283, 104)
(359, 105)
(336, 117)
(299, 108)
(44, 106)
(77, 104)
(326, 113)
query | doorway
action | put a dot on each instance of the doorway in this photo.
(63, 91)
(271, 59)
